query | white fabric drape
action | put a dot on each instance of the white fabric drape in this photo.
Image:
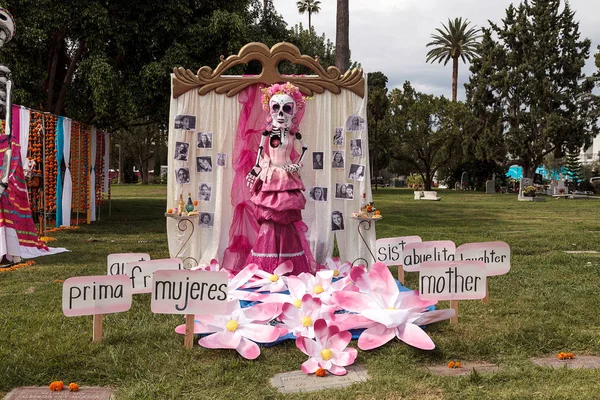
(219, 114)
(67, 196)
(24, 120)
(106, 161)
(92, 192)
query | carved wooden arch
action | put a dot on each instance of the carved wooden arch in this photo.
(207, 80)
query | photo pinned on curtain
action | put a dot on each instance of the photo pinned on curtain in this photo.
(355, 123)
(317, 158)
(338, 136)
(186, 122)
(344, 191)
(221, 159)
(182, 150)
(337, 221)
(204, 164)
(356, 147)
(337, 159)
(182, 175)
(205, 140)
(207, 220)
(204, 191)
(318, 193)
(356, 172)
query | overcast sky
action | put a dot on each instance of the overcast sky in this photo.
(391, 35)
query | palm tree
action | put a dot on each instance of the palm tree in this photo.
(342, 44)
(310, 7)
(454, 41)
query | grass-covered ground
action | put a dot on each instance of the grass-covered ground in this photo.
(547, 303)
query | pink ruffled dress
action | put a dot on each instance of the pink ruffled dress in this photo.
(277, 195)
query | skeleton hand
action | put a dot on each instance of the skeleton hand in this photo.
(251, 177)
(292, 167)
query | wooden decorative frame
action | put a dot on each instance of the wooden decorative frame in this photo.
(207, 80)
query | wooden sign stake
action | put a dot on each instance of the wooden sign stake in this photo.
(454, 306)
(401, 274)
(188, 342)
(485, 299)
(97, 330)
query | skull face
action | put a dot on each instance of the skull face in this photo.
(283, 109)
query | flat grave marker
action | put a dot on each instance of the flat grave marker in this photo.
(84, 393)
(298, 381)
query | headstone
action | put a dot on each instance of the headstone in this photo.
(523, 183)
(561, 189)
(490, 187)
(84, 393)
(298, 381)
(551, 189)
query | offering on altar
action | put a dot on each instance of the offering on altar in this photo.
(367, 210)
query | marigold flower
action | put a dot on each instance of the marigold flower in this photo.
(562, 355)
(73, 387)
(321, 372)
(57, 386)
(451, 364)
(457, 365)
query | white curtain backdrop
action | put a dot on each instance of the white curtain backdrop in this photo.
(24, 120)
(67, 196)
(219, 114)
(93, 175)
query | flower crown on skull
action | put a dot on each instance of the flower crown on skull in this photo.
(283, 88)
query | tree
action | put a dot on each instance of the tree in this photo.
(426, 130)
(574, 168)
(377, 111)
(455, 41)
(309, 7)
(342, 36)
(528, 83)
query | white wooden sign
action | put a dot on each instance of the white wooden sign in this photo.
(415, 254)
(452, 280)
(140, 272)
(495, 255)
(116, 262)
(90, 295)
(189, 292)
(390, 251)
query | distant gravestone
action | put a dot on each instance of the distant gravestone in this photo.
(467, 368)
(298, 381)
(523, 183)
(84, 393)
(561, 189)
(490, 187)
(577, 362)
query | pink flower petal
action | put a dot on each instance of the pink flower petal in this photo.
(375, 337)
(259, 332)
(382, 281)
(221, 340)
(413, 335)
(434, 316)
(321, 331)
(338, 341)
(242, 277)
(353, 301)
(263, 312)
(248, 349)
(198, 329)
(325, 364)
(284, 268)
(389, 318)
(301, 345)
(310, 366)
(214, 265)
(351, 321)
(360, 278)
(344, 358)
(412, 300)
(337, 370)
(296, 287)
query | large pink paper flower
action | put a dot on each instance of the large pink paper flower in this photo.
(275, 282)
(241, 328)
(394, 313)
(329, 351)
(299, 320)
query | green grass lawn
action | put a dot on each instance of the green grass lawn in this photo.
(547, 303)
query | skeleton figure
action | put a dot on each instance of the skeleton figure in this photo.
(276, 185)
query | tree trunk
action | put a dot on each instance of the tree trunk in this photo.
(342, 40)
(144, 170)
(121, 166)
(68, 78)
(309, 21)
(454, 77)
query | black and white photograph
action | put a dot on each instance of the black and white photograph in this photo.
(356, 172)
(221, 159)
(337, 159)
(356, 147)
(317, 157)
(204, 191)
(338, 137)
(355, 123)
(318, 193)
(182, 175)
(206, 220)
(182, 150)
(344, 191)
(185, 122)
(205, 140)
(204, 164)
(337, 221)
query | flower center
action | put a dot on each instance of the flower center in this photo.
(306, 322)
(326, 354)
(232, 325)
(274, 278)
(297, 303)
(318, 289)
(391, 309)
(336, 272)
